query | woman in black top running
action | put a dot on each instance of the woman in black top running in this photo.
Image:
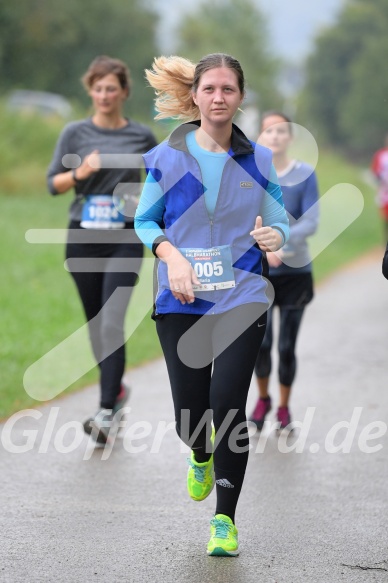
(100, 158)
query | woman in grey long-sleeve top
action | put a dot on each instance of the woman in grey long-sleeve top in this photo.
(100, 158)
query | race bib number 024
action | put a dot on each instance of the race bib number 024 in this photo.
(100, 212)
(212, 266)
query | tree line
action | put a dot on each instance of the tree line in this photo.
(346, 91)
(47, 44)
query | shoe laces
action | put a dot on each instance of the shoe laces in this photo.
(199, 471)
(222, 528)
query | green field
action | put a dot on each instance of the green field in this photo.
(40, 307)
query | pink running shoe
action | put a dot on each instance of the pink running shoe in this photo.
(284, 418)
(263, 406)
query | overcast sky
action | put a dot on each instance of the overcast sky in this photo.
(292, 24)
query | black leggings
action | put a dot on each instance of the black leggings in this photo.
(290, 319)
(96, 285)
(210, 372)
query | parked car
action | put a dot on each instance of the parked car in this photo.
(41, 102)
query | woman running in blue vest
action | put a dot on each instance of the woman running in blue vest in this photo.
(290, 269)
(209, 208)
(101, 229)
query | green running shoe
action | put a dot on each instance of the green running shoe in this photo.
(200, 476)
(224, 537)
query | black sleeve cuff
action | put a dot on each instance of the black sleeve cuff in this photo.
(157, 242)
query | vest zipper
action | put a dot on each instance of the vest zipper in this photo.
(211, 219)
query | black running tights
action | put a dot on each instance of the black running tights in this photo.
(290, 320)
(210, 361)
(105, 294)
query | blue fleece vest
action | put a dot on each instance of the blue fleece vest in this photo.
(187, 223)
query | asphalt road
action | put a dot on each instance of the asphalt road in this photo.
(313, 508)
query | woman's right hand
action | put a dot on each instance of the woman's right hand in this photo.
(90, 165)
(63, 181)
(181, 275)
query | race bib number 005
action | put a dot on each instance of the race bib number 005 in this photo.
(213, 267)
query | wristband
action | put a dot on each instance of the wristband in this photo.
(76, 180)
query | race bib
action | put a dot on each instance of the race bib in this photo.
(213, 267)
(100, 212)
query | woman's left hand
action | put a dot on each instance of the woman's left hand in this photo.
(267, 238)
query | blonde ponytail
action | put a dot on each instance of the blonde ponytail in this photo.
(172, 78)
